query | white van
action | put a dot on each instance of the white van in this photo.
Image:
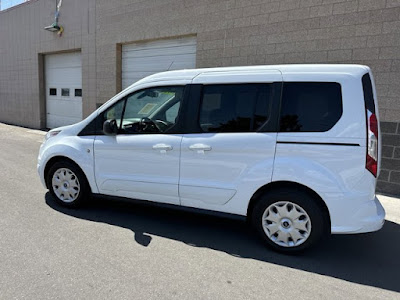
(294, 148)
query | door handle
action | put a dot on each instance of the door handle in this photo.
(162, 147)
(200, 148)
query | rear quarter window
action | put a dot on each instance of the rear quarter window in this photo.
(368, 93)
(310, 106)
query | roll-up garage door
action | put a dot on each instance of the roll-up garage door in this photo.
(143, 59)
(63, 73)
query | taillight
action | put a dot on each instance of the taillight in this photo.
(372, 143)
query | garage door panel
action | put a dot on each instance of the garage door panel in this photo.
(67, 77)
(143, 59)
(63, 71)
(139, 74)
(60, 120)
(64, 60)
(159, 62)
(159, 66)
(159, 52)
(161, 44)
(62, 107)
(135, 77)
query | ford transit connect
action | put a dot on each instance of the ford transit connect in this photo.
(294, 148)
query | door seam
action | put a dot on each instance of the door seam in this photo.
(179, 173)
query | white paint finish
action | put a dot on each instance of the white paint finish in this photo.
(68, 144)
(369, 217)
(63, 71)
(237, 165)
(206, 194)
(285, 70)
(143, 59)
(242, 162)
(235, 157)
(128, 166)
(336, 173)
(239, 76)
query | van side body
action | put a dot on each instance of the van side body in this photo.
(330, 164)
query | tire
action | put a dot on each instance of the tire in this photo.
(288, 220)
(73, 190)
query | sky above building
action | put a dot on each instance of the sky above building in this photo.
(4, 4)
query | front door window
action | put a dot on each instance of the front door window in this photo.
(153, 110)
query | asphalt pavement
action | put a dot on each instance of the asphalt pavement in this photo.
(120, 250)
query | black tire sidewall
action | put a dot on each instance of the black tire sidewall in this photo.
(305, 201)
(84, 191)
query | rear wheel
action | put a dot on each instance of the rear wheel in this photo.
(67, 184)
(288, 220)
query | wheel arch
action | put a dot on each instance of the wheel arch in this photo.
(275, 185)
(58, 158)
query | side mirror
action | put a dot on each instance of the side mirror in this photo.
(110, 127)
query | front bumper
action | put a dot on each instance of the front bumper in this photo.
(41, 174)
(40, 166)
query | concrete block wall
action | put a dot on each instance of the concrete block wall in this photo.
(24, 42)
(389, 180)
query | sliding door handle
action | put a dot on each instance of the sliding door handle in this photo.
(163, 148)
(200, 148)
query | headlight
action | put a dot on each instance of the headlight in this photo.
(51, 134)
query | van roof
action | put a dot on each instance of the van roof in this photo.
(189, 74)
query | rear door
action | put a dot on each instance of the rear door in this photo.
(230, 151)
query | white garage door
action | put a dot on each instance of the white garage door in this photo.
(63, 89)
(142, 59)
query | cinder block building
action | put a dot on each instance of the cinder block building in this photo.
(47, 80)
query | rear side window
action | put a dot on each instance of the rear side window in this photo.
(235, 107)
(310, 106)
(368, 93)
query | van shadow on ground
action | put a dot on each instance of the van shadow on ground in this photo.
(371, 259)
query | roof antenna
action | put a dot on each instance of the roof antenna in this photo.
(170, 65)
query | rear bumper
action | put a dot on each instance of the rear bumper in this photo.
(369, 217)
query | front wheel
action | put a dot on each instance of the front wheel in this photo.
(67, 184)
(288, 220)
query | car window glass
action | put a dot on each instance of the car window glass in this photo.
(235, 107)
(368, 93)
(152, 110)
(310, 106)
(114, 113)
(172, 113)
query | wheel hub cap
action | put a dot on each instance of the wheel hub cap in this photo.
(65, 185)
(286, 224)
